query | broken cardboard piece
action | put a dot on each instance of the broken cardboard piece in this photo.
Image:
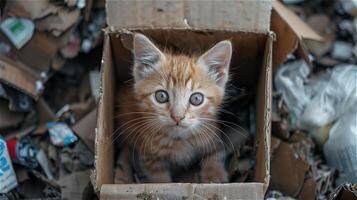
(85, 129)
(30, 9)
(15, 75)
(345, 192)
(9, 119)
(57, 24)
(287, 170)
(40, 46)
(72, 186)
(290, 31)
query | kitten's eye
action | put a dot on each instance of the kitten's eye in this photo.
(161, 96)
(196, 99)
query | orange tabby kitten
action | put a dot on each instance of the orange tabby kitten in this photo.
(169, 116)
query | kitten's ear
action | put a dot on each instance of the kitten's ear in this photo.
(217, 61)
(146, 56)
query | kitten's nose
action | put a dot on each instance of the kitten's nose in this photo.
(177, 119)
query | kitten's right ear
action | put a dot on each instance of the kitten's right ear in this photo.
(146, 56)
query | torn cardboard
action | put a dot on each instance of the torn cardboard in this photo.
(57, 24)
(287, 169)
(9, 119)
(30, 9)
(72, 186)
(290, 31)
(18, 76)
(85, 129)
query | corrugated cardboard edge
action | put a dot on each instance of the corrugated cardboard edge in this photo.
(268, 109)
(98, 132)
(183, 191)
(190, 14)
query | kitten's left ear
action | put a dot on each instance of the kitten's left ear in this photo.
(217, 61)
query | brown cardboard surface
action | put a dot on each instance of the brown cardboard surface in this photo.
(31, 9)
(104, 151)
(8, 118)
(85, 129)
(263, 115)
(40, 46)
(239, 15)
(15, 75)
(57, 24)
(72, 185)
(251, 72)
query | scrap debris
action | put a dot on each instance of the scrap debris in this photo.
(48, 53)
(48, 110)
(314, 132)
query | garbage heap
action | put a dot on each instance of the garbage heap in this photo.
(49, 79)
(314, 128)
(50, 51)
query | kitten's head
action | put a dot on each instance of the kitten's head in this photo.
(180, 93)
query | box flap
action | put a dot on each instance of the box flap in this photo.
(290, 31)
(301, 29)
(183, 191)
(242, 15)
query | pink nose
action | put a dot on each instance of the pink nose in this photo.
(177, 119)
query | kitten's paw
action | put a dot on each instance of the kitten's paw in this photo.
(214, 174)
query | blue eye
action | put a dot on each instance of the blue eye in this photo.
(196, 98)
(162, 96)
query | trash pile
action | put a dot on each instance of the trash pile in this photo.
(49, 86)
(50, 53)
(314, 129)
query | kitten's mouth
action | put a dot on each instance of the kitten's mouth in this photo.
(178, 126)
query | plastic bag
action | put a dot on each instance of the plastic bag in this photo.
(334, 98)
(341, 148)
(289, 82)
(315, 103)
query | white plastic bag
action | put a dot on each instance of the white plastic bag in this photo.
(340, 150)
(333, 99)
(289, 82)
(313, 104)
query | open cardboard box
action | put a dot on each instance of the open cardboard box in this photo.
(187, 26)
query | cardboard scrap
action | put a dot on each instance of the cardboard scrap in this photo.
(9, 119)
(85, 129)
(290, 31)
(287, 169)
(346, 191)
(31, 9)
(40, 46)
(73, 185)
(13, 74)
(57, 24)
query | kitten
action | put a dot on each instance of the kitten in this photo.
(169, 116)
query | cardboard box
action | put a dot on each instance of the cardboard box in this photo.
(202, 23)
